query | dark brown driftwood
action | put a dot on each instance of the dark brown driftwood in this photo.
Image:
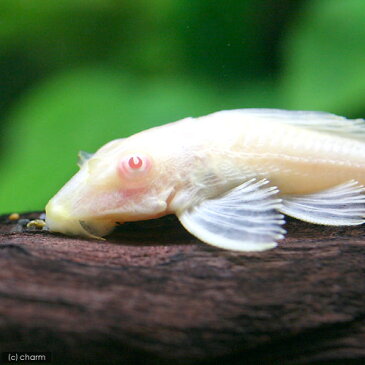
(153, 294)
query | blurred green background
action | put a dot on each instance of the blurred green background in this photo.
(75, 74)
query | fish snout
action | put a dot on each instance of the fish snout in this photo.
(59, 219)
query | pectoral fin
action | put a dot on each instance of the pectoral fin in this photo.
(244, 219)
(342, 205)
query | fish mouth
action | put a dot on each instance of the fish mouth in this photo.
(91, 230)
(58, 219)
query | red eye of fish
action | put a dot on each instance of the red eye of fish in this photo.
(135, 166)
(135, 162)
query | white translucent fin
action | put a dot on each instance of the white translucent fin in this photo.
(244, 219)
(320, 121)
(343, 205)
(83, 157)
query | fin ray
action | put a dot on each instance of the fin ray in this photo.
(315, 120)
(244, 219)
(342, 205)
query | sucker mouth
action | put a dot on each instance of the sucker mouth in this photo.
(90, 230)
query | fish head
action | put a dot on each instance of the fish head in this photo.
(125, 180)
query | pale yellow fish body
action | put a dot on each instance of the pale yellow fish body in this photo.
(295, 159)
(209, 171)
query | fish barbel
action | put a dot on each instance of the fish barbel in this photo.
(228, 176)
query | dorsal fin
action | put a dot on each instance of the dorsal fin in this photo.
(319, 121)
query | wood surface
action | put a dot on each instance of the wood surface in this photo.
(153, 294)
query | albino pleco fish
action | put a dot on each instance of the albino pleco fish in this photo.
(228, 177)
